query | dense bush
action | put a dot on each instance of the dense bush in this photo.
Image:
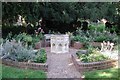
(81, 39)
(100, 27)
(91, 56)
(105, 36)
(37, 38)
(27, 39)
(15, 51)
(23, 37)
(41, 56)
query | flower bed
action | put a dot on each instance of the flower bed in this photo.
(26, 65)
(91, 55)
(93, 65)
(17, 55)
(94, 38)
(17, 52)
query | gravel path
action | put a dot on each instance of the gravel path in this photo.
(61, 66)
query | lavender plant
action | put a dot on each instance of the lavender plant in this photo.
(16, 52)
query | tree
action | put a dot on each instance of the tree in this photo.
(58, 12)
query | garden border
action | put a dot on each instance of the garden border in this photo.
(26, 65)
(84, 67)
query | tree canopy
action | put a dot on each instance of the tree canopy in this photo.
(58, 11)
(58, 16)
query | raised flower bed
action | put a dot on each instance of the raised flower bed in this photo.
(83, 66)
(16, 55)
(94, 38)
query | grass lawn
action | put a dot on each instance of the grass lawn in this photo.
(107, 73)
(10, 72)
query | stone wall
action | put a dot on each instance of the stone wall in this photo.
(26, 65)
(93, 65)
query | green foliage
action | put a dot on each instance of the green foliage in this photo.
(40, 36)
(27, 39)
(23, 37)
(41, 56)
(97, 27)
(86, 37)
(100, 38)
(92, 56)
(94, 35)
(106, 36)
(57, 12)
(79, 39)
(62, 12)
(37, 38)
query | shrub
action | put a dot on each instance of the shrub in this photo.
(23, 37)
(98, 27)
(29, 39)
(100, 38)
(15, 51)
(41, 56)
(37, 38)
(80, 39)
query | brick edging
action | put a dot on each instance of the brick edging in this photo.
(93, 65)
(26, 65)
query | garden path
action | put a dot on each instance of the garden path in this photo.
(61, 65)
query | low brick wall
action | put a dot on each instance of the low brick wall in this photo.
(93, 65)
(26, 65)
(76, 45)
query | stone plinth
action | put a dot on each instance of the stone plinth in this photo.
(59, 43)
